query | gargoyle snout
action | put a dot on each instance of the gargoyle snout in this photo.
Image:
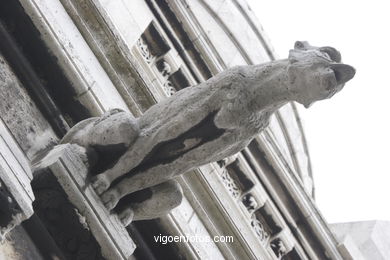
(343, 72)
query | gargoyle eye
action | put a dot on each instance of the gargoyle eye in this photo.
(298, 45)
(302, 45)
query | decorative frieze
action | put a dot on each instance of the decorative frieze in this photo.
(250, 203)
(154, 49)
(260, 214)
(230, 184)
(259, 228)
(164, 68)
(144, 50)
(168, 88)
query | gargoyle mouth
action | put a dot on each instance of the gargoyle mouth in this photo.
(343, 72)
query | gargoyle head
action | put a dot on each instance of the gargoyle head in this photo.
(316, 73)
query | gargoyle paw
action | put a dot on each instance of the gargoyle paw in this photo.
(100, 183)
(126, 216)
(110, 198)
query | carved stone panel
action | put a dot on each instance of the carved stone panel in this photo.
(230, 184)
(241, 177)
(260, 229)
(144, 50)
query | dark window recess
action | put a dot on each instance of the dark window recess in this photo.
(238, 174)
(179, 80)
(264, 215)
(156, 43)
(37, 68)
(292, 255)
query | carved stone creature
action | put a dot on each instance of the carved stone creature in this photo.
(201, 124)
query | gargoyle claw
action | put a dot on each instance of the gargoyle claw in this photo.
(100, 183)
(126, 216)
(110, 198)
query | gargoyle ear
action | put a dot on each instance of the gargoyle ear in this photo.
(343, 72)
(332, 52)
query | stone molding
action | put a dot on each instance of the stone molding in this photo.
(93, 88)
(16, 195)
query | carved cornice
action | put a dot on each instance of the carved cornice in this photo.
(278, 176)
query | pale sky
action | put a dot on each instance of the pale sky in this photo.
(348, 135)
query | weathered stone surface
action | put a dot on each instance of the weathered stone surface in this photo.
(19, 246)
(207, 122)
(64, 170)
(364, 240)
(20, 114)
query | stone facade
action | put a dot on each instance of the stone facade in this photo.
(364, 239)
(66, 60)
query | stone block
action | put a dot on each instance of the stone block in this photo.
(67, 163)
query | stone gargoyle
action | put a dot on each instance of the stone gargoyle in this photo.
(198, 125)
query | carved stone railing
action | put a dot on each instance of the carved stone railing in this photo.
(73, 212)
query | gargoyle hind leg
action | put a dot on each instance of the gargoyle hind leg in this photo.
(125, 164)
(153, 206)
(135, 182)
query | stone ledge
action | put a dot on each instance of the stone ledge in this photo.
(66, 162)
(16, 195)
